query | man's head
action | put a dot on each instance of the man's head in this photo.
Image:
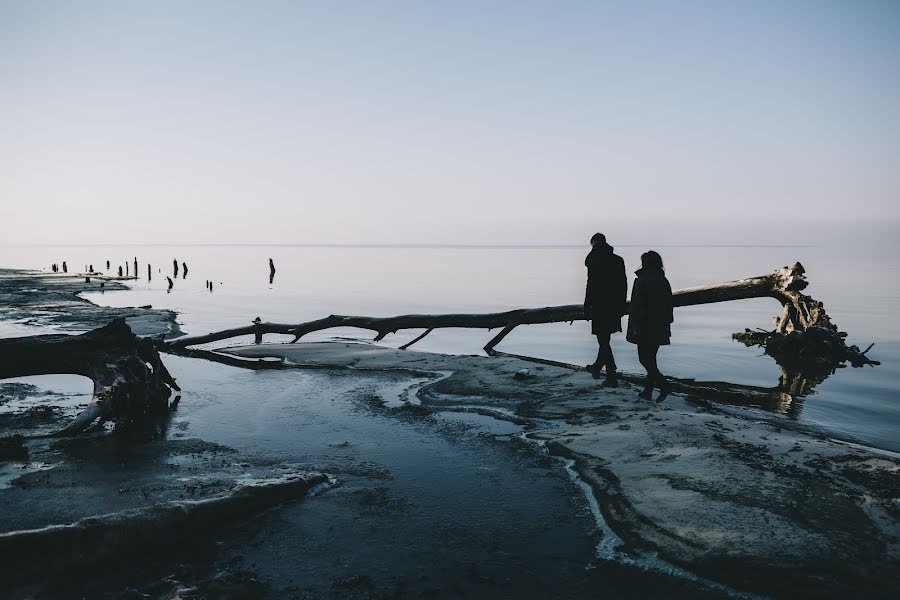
(598, 239)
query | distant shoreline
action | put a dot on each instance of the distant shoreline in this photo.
(459, 246)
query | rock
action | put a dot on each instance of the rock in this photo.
(523, 374)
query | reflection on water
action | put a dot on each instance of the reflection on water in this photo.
(785, 399)
(313, 282)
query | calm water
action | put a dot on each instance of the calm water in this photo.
(858, 286)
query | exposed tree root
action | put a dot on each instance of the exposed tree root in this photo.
(804, 339)
(130, 381)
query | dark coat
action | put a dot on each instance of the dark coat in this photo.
(650, 316)
(607, 286)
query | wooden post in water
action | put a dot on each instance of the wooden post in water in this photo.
(257, 331)
(149, 273)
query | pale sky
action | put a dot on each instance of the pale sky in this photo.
(449, 122)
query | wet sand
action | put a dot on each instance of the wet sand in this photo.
(51, 301)
(422, 503)
(451, 477)
(742, 501)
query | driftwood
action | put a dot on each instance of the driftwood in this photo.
(130, 381)
(805, 343)
(784, 285)
(804, 339)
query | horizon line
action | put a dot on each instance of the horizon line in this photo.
(398, 245)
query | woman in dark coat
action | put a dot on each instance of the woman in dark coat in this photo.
(604, 303)
(650, 319)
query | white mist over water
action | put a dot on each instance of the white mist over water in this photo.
(859, 287)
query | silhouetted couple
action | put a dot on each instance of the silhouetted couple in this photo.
(649, 319)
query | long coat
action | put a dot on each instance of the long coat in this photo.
(607, 286)
(650, 316)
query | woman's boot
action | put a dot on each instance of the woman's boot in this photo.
(664, 388)
(612, 379)
(647, 394)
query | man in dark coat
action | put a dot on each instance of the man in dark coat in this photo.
(604, 303)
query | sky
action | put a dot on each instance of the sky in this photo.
(448, 122)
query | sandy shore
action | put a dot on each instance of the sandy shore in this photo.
(744, 501)
(754, 502)
(51, 300)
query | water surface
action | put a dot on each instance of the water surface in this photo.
(858, 285)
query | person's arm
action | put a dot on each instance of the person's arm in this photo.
(622, 292)
(588, 309)
(669, 302)
(638, 307)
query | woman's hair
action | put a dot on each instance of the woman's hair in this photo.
(651, 260)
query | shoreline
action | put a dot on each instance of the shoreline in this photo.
(745, 501)
(739, 501)
(53, 300)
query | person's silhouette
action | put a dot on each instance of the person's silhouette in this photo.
(650, 319)
(604, 303)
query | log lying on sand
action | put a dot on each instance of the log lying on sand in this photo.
(103, 539)
(130, 381)
(800, 312)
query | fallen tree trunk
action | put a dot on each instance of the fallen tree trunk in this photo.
(783, 284)
(799, 332)
(130, 380)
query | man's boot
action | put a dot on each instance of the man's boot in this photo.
(594, 369)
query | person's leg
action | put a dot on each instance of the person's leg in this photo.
(647, 356)
(664, 387)
(605, 356)
(600, 363)
(652, 368)
(611, 367)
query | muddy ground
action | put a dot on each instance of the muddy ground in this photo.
(683, 484)
(745, 501)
